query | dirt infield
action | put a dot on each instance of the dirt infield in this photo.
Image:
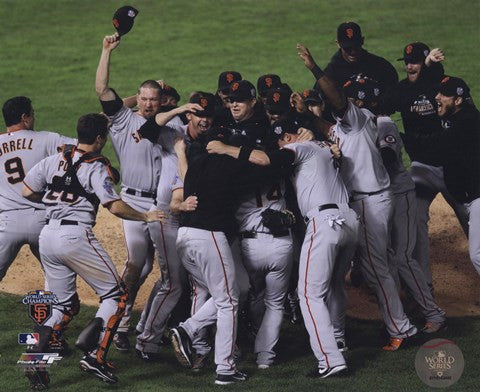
(457, 285)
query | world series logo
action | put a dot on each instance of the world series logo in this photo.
(439, 363)
(40, 305)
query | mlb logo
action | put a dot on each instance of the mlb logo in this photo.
(28, 338)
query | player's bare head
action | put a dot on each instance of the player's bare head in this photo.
(242, 98)
(92, 128)
(363, 92)
(17, 110)
(414, 56)
(453, 93)
(285, 130)
(148, 98)
(350, 41)
(201, 122)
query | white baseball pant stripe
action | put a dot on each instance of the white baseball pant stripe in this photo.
(401, 262)
(208, 258)
(329, 243)
(167, 289)
(375, 212)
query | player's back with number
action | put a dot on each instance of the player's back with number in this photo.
(19, 152)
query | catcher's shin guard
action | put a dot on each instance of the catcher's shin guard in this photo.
(111, 328)
(69, 309)
(88, 339)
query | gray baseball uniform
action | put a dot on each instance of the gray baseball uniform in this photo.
(168, 289)
(368, 184)
(20, 219)
(140, 164)
(67, 243)
(329, 244)
(403, 225)
(268, 261)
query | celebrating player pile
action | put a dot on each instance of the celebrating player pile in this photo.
(244, 198)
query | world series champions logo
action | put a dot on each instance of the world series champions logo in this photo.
(40, 305)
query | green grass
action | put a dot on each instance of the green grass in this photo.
(50, 49)
(371, 368)
(49, 52)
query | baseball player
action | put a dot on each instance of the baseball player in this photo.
(72, 184)
(135, 155)
(366, 93)
(331, 236)
(21, 147)
(168, 289)
(368, 185)
(415, 99)
(457, 146)
(203, 246)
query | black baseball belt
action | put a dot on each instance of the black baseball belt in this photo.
(253, 234)
(329, 206)
(134, 192)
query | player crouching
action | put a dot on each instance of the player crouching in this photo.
(72, 184)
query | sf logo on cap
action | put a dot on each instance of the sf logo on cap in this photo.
(409, 49)
(229, 77)
(268, 82)
(203, 102)
(306, 93)
(235, 86)
(276, 97)
(349, 33)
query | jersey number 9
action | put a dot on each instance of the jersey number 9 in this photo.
(14, 167)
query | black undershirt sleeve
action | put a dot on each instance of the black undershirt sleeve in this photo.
(150, 130)
(281, 158)
(112, 107)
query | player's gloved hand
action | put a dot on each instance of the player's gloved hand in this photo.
(305, 135)
(277, 221)
(110, 42)
(189, 204)
(155, 215)
(435, 56)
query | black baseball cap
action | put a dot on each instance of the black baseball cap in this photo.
(278, 101)
(170, 91)
(267, 82)
(123, 19)
(349, 35)
(225, 79)
(365, 89)
(206, 101)
(414, 53)
(312, 96)
(241, 91)
(287, 124)
(450, 86)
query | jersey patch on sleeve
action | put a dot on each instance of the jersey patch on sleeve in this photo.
(108, 186)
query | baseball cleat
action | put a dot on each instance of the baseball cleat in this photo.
(182, 345)
(263, 366)
(199, 362)
(226, 379)
(341, 344)
(327, 372)
(39, 379)
(432, 327)
(146, 356)
(121, 342)
(394, 344)
(92, 366)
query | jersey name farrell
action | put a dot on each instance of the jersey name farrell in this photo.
(15, 145)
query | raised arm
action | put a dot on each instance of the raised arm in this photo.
(104, 93)
(332, 93)
(163, 118)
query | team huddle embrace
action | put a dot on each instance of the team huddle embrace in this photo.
(250, 198)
